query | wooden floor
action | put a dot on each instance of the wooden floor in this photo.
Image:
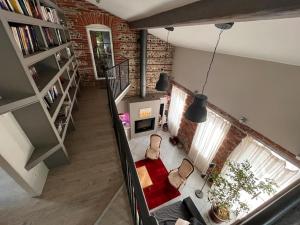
(75, 194)
(118, 211)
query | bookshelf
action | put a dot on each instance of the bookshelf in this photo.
(39, 78)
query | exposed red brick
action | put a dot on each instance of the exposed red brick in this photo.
(187, 128)
(80, 13)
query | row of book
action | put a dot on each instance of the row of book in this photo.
(26, 39)
(30, 8)
(60, 35)
(54, 37)
(51, 96)
(49, 14)
(26, 7)
(62, 116)
(49, 37)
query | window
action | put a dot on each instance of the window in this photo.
(176, 109)
(265, 164)
(207, 140)
(101, 47)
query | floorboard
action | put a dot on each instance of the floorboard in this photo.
(77, 193)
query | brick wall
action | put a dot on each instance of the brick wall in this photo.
(187, 128)
(234, 136)
(159, 57)
(80, 13)
(232, 139)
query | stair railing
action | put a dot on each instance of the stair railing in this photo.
(139, 209)
(118, 76)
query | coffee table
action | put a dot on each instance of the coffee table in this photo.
(144, 177)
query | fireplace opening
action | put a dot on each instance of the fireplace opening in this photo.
(144, 125)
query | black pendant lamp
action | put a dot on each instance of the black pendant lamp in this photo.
(163, 82)
(197, 111)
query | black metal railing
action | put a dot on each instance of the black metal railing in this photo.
(118, 76)
(139, 209)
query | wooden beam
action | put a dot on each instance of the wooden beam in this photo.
(220, 11)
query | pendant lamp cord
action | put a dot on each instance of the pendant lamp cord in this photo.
(167, 46)
(212, 60)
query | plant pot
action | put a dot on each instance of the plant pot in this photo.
(214, 216)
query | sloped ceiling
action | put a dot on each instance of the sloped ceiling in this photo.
(271, 40)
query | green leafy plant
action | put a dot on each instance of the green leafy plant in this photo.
(225, 194)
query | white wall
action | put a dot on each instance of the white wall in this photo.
(15, 149)
(134, 109)
(266, 93)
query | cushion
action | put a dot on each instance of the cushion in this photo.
(195, 221)
(185, 169)
(182, 222)
(155, 141)
(152, 153)
(189, 204)
(175, 179)
(169, 214)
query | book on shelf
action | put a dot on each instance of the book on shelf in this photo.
(58, 57)
(59, 123)
(58, 35)
(65, 109)
(49, 36)
(61, 119)
(61, 59)
(26, 7)
(49, 14)
(69, 53)
(51, 96)
(33, 73)
(73, 65)
(25, 38)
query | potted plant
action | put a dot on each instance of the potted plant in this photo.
(227, 188)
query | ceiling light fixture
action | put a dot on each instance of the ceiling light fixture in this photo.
(163, 81)
(197, 111)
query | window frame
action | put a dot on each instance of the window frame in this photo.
(99, 27)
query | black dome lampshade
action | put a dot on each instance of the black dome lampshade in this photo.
(163, 82)
(197, 111)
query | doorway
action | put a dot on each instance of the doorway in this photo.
(101, 47)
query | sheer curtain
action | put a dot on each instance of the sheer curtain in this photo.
(207, 140)
(176, 109)
(265, 164)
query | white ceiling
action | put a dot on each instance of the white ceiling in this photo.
(271, 40)
(136, 9)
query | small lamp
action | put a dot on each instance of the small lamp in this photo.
(163, 82)
(197, 111)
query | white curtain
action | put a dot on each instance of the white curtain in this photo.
(207, 140)
(176, 109)
(265, 164)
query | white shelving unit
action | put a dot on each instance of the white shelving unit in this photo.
(23, 96)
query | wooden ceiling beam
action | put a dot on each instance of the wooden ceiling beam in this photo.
(221, 11)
